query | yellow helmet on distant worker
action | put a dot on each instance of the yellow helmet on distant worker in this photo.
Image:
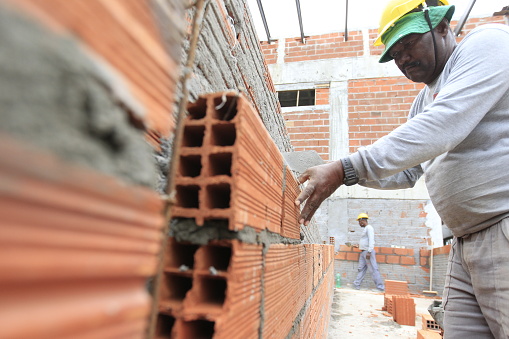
(362, 216)
(394, 10)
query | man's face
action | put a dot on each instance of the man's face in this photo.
(415, 57)
(363, 222)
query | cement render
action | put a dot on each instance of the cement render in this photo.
(54, 97)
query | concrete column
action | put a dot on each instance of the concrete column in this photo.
(281, 51)
(338, 119)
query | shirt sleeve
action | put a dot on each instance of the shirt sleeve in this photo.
(371, 239)
(401, 180)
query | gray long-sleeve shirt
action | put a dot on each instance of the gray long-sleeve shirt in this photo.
(367, 241)
(458, 134)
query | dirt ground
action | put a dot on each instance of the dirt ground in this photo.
(358, 314)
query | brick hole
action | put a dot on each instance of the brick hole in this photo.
(197, 329)
(225, 110)
(198, 110)
(187, 196)
(216, 256)
(220, 164)
(190, 165)
(218, 196)
(164, 326)
(193, 136)
(178, 254)
(175, 287)
(223, 135)
(211, 290)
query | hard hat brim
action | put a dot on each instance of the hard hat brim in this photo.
(412, 23)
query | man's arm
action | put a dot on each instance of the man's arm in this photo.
(401, 180)
(371, 238)
(323, 181)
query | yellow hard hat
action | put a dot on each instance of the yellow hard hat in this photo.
(394, 10)
(362, 216)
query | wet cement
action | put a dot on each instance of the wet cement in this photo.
(55, 96)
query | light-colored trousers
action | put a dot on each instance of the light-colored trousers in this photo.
(363, 267)
(476, 292)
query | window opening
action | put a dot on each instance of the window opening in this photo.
(305, 97)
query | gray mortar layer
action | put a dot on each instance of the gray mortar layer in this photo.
(187, 230)
(53, 96)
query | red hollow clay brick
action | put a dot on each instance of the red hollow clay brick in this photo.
(428, 323)
(395, 287)
(150, 71)
(426, 334)
(407, 261)
(340, 256)
(392, 259)
(386, 250)
(232, 170)
(352, 256)
(77, 248)
(404, 310)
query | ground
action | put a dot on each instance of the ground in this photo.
(358, 314)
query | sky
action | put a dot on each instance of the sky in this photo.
(326, 16)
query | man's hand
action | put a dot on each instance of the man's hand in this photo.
(323, 181)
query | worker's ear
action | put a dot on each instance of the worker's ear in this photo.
(443, 27)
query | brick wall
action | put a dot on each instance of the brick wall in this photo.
(402, 264)
(235, 263)
(377, 106)
(309, 129)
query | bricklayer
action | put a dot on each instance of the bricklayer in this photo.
(230, 169)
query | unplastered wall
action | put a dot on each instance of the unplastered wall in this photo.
(235, 264)
(80, 222)
(228, 57)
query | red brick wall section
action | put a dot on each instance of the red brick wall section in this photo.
(151, 73)
(229, 288)
(385, 255)
(309, 129)
(325, 46)
(269, 51)
(77, 249)
(377, 106)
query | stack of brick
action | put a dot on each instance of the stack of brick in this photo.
(397, 301)
(231, 172)
(430, 328)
